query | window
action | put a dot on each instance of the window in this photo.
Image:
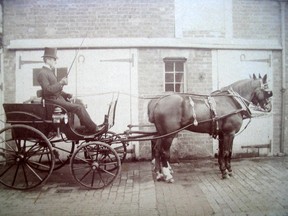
(174, 74)
(60, 73)
(203, 19)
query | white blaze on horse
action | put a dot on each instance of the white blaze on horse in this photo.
(220, 114)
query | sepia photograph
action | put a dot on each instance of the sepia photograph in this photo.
(143, 107)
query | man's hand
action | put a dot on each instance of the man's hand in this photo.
(69, 96)
(64, 81)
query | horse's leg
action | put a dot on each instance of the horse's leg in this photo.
(153, 144)
(165, 157)
(228, 158)
(221, 156)
(157, 155)
(170, 168)
(226, 153)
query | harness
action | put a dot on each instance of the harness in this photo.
(212, 105)
(213, 114)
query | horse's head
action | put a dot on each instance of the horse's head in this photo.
(262, 94)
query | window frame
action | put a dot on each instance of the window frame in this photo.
(174, 72)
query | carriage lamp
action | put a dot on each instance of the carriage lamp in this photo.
(58, 116)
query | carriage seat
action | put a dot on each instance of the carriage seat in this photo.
(39, 93)
(35, 99)
(38, 98)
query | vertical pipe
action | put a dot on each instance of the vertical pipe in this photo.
(283, 88)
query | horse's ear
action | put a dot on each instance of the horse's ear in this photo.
(260, 77)
(250, 76)
(264, 78)
(254, 77)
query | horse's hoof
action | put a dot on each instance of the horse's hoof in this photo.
(230, 174)
(171, 180)
(225, 175)
(160, 177)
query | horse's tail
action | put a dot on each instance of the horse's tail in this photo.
(151, 107)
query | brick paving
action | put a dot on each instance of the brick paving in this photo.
(259, 186)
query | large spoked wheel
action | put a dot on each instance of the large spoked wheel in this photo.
(112, 139)
(26, 157)
(95, 165)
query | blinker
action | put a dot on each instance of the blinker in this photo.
(269, 93)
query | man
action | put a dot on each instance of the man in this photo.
(52, 91)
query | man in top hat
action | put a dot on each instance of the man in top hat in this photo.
(52, 91)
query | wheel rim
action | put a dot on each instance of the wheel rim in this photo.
(95, 165)
(26, 159)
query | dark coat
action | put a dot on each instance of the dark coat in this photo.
(51, 88)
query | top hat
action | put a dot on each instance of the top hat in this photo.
(50, 52)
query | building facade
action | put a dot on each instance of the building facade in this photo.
(146, 48)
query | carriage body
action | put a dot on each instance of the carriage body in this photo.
(40, 137)
(48, 118)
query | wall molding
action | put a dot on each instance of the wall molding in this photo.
(113, 43)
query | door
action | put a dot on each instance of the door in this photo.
(230, 66)
(93, 78)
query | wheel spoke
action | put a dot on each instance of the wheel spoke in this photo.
(102, 180)
(25, 175)
(92, 179)
(84, 176)
(85, 166)
(33, 171)
(39, 164)
(82, 159)
(12, 152)
(7, 144)
(8, 168)
(41, 155)
(15, 175)
(112, 174)
(110, 163)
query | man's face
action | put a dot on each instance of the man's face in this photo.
(51, 62)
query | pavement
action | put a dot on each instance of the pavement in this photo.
(259, 186)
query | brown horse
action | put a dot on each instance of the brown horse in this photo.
(220, 114)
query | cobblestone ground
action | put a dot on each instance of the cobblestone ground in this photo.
(258, 187)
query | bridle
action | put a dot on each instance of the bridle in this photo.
(267, 94)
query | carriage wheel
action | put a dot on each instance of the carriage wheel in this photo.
(62, 150)
(112, 138)
(26, 157)
(95, 165)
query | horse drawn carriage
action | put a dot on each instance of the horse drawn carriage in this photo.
(41, 137)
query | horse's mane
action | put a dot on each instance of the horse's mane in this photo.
(241, 85)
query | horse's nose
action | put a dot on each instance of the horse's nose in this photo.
(268, 107)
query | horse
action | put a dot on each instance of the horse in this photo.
(219, 114)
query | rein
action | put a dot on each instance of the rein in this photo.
(145, 134)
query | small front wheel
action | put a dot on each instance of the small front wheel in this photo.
(95, 165)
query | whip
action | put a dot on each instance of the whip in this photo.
(75, 57)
